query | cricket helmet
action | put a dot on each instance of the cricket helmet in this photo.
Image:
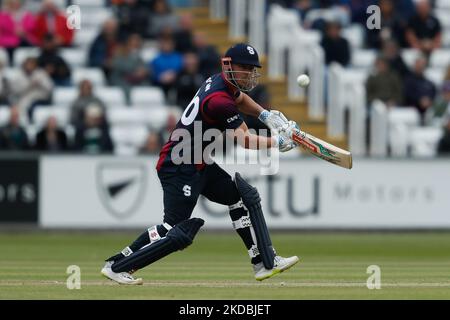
(245, 55)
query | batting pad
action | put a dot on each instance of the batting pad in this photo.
(178, 238)
(252, 201)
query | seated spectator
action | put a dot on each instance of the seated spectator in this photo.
(384, 84)
(183, 35)
(447, 74)
(337, 48)
(188, 80)
(51, 138)
(128, 68)
(101, 52)
(31, 86)
(16, 26)
(161, 18)
(419, 91)
(53, 63)
(444, 143)
(303, 7)
(13, 135)
(85, 99)
(441, 106)
(166, 65)
(208, 56)
(171, 123)
(424, 29)
(391, 52)
(152, 145)
(392, 27)
(93, 135)
(4, 83)
(50, 20)
(132, 16)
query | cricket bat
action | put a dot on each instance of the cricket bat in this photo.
(322, 149)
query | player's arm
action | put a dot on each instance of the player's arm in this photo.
(248, 140)
(273, 119)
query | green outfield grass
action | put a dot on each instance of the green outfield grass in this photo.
(332, 266)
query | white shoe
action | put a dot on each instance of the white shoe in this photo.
(121, 277)
(280, 264)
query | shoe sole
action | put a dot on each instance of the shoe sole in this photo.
(138, 282)
(277, 271)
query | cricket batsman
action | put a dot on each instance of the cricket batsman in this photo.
(216, 105)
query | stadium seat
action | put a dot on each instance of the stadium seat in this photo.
(440, 58)
(89, 3)
(11, 73)
(95, 75)
(42, 113)
(354, 35)
(95, 18)
(410, 56)
(63, 97)
(157, 116)
(126, 116)
(446, 38)
(147, 96)
(363, 58)
(443, 4)
(400, 121)
(435, 75)
(84, 37)
(424, 141)
(74, 57)
(4, 115)
(110, 95)
(129, 135)
(20, 54)
(147, 54)
(443, 17)
(4, 59)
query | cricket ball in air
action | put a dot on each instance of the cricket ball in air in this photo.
(303, 80)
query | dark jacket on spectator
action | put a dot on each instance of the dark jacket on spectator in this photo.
(13, 138)
(444, 144)
(93, 139)
(417, 87)
(336, 50)
(44, 144)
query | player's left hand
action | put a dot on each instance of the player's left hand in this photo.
(273, 119)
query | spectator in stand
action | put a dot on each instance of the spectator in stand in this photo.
(166, 65)
(441, 106)
(13, 135)
(161, 18)
(337, 48)
(101, 52)
(188, 80)
(4, 82)
(85, 99)
(31, 86)
(16, 26)
(447, 74)
(51, 138)
(132, 14)
(444, 143)
(171, 124)
(50, 20)
(209, 58)
(152, 144)
(391, 52)
(303, 7)
(53, 63)
(183, 35)
(93, 135)
(392, 27)
(419, 91)
(384, 84)
(128, 68)
(424, 30)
